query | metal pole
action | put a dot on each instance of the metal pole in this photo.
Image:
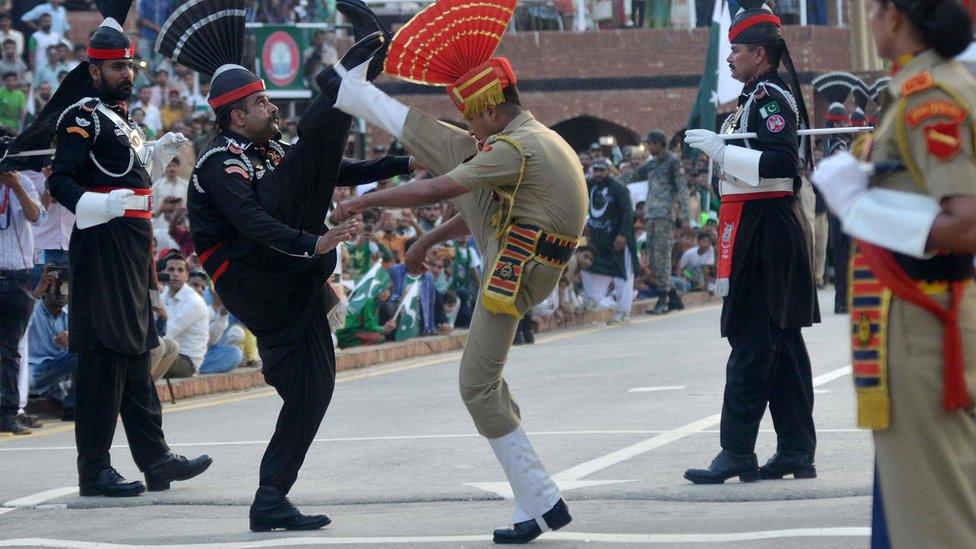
(803, 12)
(692, 14)
(813, 131)
(840, 13)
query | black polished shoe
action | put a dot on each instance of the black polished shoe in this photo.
(526, 531)
(361, 52)
(271, 510)
(364, 22)
(725, 466)
(175, 467)
(800, 465)
(362, 18)
(674, 301)
(9, 424)
(661, 307)
(110, 483)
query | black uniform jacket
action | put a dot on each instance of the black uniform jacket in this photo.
(111, 263)
(771, 266)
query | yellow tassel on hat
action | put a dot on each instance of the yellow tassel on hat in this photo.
(489, 96)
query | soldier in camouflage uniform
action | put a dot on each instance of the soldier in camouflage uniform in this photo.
(665, 183)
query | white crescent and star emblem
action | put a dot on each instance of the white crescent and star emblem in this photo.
(82, 122)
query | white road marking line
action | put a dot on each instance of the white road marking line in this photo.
(598, 464)
(571, 476)
(655, 389)
(725, 537)
(821, 391)
(7, 509)
(412, 437)
(36, 499)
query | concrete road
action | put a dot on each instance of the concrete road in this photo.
(616, 413)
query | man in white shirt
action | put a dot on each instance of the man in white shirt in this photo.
(225, 352)
(51, 236)
(169, 185)
(187, 319)
(7, 32)
(153, 120)
(696, 263)
(20, 209)
(41, 40)
(54, 10)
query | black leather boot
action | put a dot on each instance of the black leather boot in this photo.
(364, 22)
(361, 52)
(674, 301)
(9, 424)
(110, 483)
(527, 329)
(798, 464)
(271, 510)
(725, 466)
(175, 467)
(524, 532)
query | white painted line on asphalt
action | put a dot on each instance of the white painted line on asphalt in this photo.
(411, 437)
(821, 391)
(36, 499)
(598, 464)
(655, 389)
(7, 509)
(725, 537)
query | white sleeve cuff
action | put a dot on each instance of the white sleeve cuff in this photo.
(742, 164)
(897, 220)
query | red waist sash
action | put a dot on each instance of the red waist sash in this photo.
(729, 216)
(140, 213)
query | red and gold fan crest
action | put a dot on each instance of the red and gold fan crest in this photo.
(451, 42)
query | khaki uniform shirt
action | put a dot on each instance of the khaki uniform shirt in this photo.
(552, 194)
(934, 123)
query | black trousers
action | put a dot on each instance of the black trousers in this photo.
(16, 307)
(768, 366)
(282, 300)
(107, 384)
(305, 381)
(840, 258)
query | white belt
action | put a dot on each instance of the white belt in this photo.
(731, 185)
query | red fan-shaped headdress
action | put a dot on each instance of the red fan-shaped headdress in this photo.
(450, 43)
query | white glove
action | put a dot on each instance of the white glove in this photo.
(165, 148)
(841, 180)
(97, 208)
(358, 97)
(708, 142)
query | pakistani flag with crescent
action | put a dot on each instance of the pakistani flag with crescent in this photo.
(409, 310)
(369, 285)
(717, 85)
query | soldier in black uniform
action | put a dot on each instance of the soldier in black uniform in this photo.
(764, 269)
(257, 210)
(101, 172)
(840, 243)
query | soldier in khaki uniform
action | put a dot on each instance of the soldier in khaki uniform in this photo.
(520, 191)
(913, 305)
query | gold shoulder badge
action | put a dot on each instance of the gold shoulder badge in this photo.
(917, 83)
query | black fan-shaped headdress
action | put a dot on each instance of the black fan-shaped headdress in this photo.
(756, 24)
(108, 42)
(208, 37)
(858, 117)
(836, 87)
(878, 88)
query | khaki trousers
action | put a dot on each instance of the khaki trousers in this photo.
(162, 357)
(483, 387)
(926, 458)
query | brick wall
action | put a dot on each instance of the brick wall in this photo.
(678, 54)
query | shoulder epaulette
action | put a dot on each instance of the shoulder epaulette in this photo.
(228, 146)
(88, 105)
(920, 82)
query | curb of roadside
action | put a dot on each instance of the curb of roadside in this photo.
(362, 357)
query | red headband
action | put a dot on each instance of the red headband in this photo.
(234, 95)
(104, 55)
(752, 21)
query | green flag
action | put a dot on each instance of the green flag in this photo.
(703, 112)
(369, 285)
(409, 310)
